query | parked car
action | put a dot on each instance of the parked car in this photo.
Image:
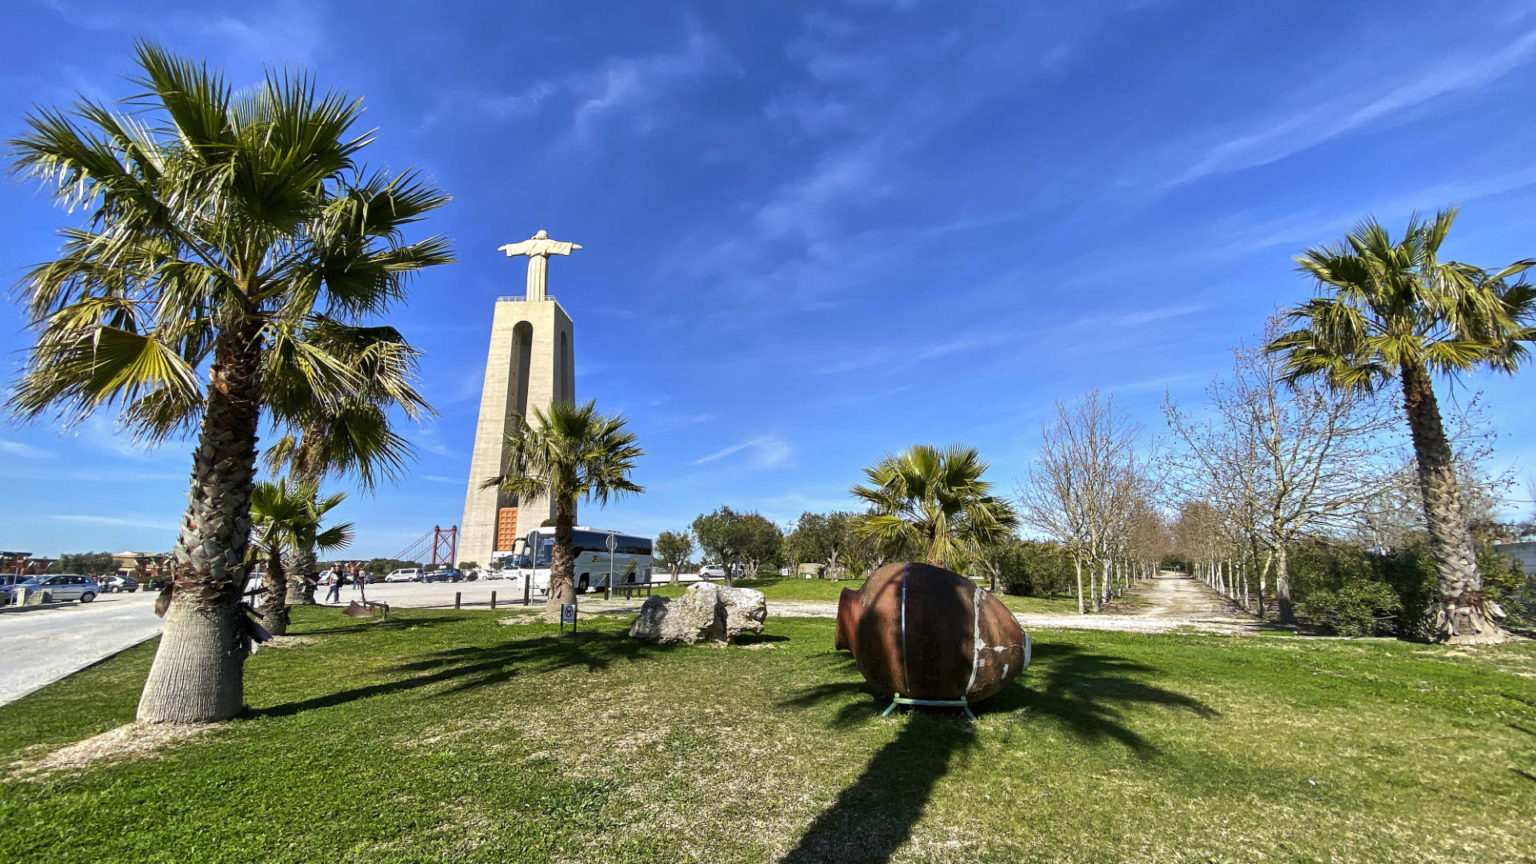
(711, 571)
(126, 584)
(64, 586)
(404, 574)
(443, 576)
(7, 589)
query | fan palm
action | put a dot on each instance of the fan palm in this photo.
(935, 500)
(224, 235)
(350, 438)
(286, 519)
(568, 452)
(1395, 309)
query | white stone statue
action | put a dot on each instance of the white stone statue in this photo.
(538, 248)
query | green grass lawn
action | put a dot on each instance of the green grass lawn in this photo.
(825, 590)
(441, 735)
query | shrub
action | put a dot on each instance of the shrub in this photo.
(1359, 608)
(1032, 568)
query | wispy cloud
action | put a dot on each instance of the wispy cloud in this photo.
(438, 478)
(25, 451)
(131, 520)
(766, 451)
(904, 358)
(1291, 133)
(674, 422)
(629, 87)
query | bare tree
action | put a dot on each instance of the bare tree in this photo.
(1083, 486)
(1280, 461)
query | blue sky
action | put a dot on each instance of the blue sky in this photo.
(816, 233)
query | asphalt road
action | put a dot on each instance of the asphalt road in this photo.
(43, 644)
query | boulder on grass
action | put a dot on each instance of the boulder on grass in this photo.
(705, 613)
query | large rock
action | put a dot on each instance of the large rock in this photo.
(705, 613)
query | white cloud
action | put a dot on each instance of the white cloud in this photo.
(1287, 135)
(128, 521)
(631, 87)
(25, 451)
(438, 478)
(767, 451)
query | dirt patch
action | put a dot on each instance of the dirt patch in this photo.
(290, 641)
(517, 620)
(133, 741)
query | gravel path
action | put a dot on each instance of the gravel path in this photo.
(43, 644)
(1173, 602)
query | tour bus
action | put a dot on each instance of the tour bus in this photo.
(631, 559)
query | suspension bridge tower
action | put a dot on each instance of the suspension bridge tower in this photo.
(530, 365)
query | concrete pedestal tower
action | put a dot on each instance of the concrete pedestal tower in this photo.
(530, 365)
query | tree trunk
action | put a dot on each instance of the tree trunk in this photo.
(301, 578)
(674, 574)
(1093, 584)
(562, 564)
(274, 609)
(1283, 587)
(1264, 574)
(198, 672)
(1077, 565)
(1461, 614)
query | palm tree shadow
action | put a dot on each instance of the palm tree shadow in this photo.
(475, 667)
(1089, 693)
(872, 818)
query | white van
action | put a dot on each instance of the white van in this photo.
(404, 574)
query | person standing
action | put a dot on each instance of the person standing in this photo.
(360, 581)
(333, 580)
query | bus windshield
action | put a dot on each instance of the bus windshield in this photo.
(546, 551)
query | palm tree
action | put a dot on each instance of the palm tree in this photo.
(1395, 309)
(223, 234)
(287, 519)
(933, 499)
(350, 438)
(567, 453)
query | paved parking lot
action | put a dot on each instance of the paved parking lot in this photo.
(43, 644)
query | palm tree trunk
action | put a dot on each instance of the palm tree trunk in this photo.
(1461, 614)
(274, 609)
(562, 563)
(198, 671)
(301, 579)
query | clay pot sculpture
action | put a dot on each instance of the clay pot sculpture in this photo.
(927, 633)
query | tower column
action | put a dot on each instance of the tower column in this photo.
(530, 364)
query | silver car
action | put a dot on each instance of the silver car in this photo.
(64, 586)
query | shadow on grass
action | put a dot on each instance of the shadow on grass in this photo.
(474, 667)
(1526, 774)
(871, 819)
(1088, 693)
(370, 625)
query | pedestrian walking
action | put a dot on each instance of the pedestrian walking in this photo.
(333, 579)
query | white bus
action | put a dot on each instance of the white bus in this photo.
(630, 562)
